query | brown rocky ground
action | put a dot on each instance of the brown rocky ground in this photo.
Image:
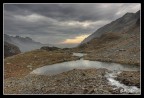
(118, 41)
(130, 78)
(77, 81)
(122, 47)
(21, 64)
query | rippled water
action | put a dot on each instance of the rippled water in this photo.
(81, 64)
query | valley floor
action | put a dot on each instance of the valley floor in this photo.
(17, 79)
(77, 81)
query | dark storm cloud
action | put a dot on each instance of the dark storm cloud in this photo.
(60, 21)
(80, 12)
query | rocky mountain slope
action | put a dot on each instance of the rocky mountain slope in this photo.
(10, 49)
(118, 41)
(120, 25)
(25, 44)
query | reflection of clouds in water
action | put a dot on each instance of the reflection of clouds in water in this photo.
(81, 64)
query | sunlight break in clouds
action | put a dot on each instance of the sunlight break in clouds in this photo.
(75, 40)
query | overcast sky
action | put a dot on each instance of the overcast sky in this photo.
(61, 24)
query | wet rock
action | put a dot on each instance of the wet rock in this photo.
(129, 78)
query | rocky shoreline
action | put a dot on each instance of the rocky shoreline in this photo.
(114, 60)
(129, 78)
(18, 79)
(76, 81)
(72, 82)
(22, 64)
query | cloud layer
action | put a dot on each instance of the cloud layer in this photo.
(61, 23)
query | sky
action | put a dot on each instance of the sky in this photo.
(63, 25)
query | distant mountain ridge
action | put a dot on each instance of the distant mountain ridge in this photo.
(25, 44)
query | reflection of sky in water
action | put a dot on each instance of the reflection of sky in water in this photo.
(82, 64)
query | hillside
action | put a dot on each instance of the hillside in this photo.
(118, 41)
(25, 44)
(10, 49)
(119, 25)
(22, 64)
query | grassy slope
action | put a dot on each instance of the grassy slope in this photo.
(21, 64)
